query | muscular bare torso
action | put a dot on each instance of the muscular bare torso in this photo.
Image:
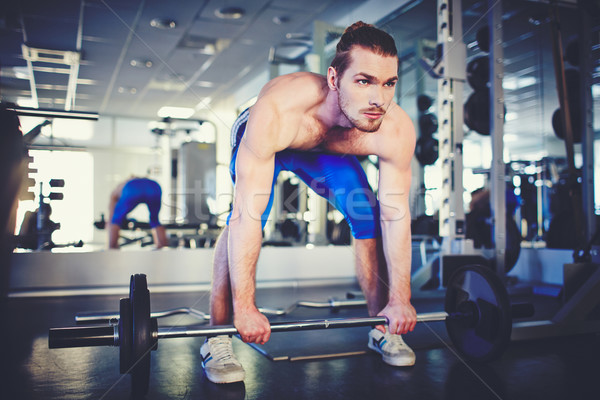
(306, 120)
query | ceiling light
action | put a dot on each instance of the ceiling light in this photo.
(168, 85)
(202, 45)
(205, 84)
(163, 23)
(298, 36)
(130, 90)
(230, 12)
(281, 19)
(138, 63)
(175, 112)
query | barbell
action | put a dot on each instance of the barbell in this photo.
(478, 317)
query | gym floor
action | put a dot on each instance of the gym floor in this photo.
(557, 368)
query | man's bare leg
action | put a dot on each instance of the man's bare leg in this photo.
(113, 236)
(221, 306)
(159, 234)
(371, 271)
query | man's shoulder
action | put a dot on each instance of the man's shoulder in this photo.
(301, 77)
(398, 132)
(396, 120)
(294, 90)
(398, 113)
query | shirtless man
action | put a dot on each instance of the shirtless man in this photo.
(124, 198)
(350, 111)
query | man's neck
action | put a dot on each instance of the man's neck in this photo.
(330, 113)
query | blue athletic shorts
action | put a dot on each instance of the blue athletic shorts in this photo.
(338, 178)
(137, 191)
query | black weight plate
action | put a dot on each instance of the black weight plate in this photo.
(139, 297)
(478, 73)
(428, 124)
(125, 335)
(424, 102)
(483, 38)
(477, 111)
(427, 150)
(486, 336)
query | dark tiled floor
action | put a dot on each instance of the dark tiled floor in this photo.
(563, 368)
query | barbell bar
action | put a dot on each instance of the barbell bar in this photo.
(305, 325)
(92, 336)
(478, 318)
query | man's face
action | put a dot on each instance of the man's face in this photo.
(366, 89)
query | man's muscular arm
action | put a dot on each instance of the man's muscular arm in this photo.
(254, 176)
(394, 186)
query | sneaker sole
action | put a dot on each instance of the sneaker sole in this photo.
(394, 361)
(225, 378)
(399, 362)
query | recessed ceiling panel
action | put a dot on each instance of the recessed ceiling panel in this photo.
(251, 7)
(106, 25)
(182, 14)
(264, 29)
(133, 77)
(303, 5)
(99, 54)
(185, 62)
(229, 64)
(216, 29)
(152, 46)
(100, 75)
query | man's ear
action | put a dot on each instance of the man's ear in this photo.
(332, 78)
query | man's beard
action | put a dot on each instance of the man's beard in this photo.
(362, 125)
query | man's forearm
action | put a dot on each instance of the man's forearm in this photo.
(397, 250)
(245, 241)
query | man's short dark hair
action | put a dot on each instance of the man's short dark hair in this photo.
(363, 35)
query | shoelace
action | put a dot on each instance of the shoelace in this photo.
(221, 349)
(395, 341)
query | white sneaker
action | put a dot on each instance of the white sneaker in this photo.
(219, 362)
(392, 348)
